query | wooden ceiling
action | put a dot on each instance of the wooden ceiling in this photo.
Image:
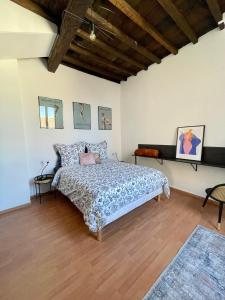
(131, 35)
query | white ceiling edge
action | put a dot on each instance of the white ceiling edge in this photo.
(23, 34)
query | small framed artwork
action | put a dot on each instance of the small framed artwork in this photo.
(190, 142)
(81, 115)
(50, 113)
(104, 118)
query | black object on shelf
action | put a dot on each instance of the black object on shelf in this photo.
(211, 156)
(42, 179)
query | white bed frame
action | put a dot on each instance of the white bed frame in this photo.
(128, 208)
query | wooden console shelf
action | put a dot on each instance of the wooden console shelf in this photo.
(212, 156)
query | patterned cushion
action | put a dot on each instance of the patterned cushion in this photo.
(70, 153)
(87, 159)
(100, 149)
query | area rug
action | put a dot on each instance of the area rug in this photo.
(197, 271)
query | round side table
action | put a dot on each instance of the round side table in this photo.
(42, 179)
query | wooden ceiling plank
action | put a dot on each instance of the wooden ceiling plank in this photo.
(35, 8)
(67, 31)
(179, 19)
(215, 10)
(100, 44)
(99, 60)
(97, 19)
(77, 62)
(132, 14)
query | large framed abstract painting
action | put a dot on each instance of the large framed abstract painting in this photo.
(51, 113)
(81, 115)
(190, 142)
(104, 118)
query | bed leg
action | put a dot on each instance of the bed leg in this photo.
(99, 235)
(158, 198)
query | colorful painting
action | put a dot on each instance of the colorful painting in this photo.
(190, 142)
(51, 113)
(104, 118)
(81, 115)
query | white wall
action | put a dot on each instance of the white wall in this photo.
(14, 189)
(70, 86)
(186, 89)
(24, 34)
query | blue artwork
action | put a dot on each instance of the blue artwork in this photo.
(81, 115)
(190, 142)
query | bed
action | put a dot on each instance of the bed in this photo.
(105, 192)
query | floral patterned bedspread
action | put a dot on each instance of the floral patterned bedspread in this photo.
(101, 190)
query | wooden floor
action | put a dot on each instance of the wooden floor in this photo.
(46, 251)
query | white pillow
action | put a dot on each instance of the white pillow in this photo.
(70, 153)
(99, 148)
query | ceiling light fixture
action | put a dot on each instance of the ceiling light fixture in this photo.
(92, 34)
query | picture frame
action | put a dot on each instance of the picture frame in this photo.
(81, 115)
(50, 113)
(190, 140)
(104, 118)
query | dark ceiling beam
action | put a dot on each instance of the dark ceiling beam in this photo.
(35, 8)
(100, 44)
(179, 19)
(132, 14)
(216, 12)
(79, 63)
(100, 60)
(72, 19)
(97, 19)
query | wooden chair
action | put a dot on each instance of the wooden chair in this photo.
(216, 193)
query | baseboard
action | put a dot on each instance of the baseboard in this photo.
(9, 210)
(211, 201)
(186, 193)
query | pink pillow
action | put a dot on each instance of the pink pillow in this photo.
(87, 159)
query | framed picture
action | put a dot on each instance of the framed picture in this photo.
(50, 113)
(190, 142)
(104, 118)
(81, 115)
